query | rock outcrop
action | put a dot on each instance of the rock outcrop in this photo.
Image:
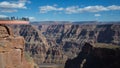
(101, 33)
(35, 43)
(96, 57)
(71, 37)
(55, 55)
(12, 53)
(38, 47)
(47, 43)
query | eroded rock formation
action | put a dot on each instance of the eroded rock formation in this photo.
(96, 57)
(102, 33)
(38, 47)
(71, 37)
(12, 53)
(48, 42)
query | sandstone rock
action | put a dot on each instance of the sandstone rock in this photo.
(35, 43)
(12, 50)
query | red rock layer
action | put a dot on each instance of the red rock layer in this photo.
(12, 50)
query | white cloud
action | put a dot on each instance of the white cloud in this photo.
(93, 9)
(73, 9)
(77, 9)
(45, 9)
(5, 4)
(97, 15)
(113, 7)
(32, 18)
(12, 6)
(3, 16)
(25, 1)
(8, 10)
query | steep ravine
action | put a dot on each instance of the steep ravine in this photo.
(55, 43)
(38, 47)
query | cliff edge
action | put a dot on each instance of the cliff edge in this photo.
(99, 56)
(12, 53)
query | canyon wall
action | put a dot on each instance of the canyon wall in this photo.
(12, 53)
(38, 47)
(55, 43)
(96, 57)
(102, 33)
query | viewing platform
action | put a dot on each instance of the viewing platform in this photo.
(13, 22)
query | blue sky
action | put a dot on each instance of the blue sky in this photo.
(62, 10)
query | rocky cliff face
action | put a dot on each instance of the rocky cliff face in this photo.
(35, 42)
(12, 53)
(104, 33)
(55, 43)
(37, 45)
(96, 57)
(71, 37)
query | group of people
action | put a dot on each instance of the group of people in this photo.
(15, 18)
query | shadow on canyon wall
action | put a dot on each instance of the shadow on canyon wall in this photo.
(93, 57)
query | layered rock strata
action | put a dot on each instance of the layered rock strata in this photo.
(48, 42)
(12, 53)
(96, 57)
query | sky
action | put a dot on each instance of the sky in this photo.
(62, 10)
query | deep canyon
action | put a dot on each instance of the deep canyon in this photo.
(63, 43)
